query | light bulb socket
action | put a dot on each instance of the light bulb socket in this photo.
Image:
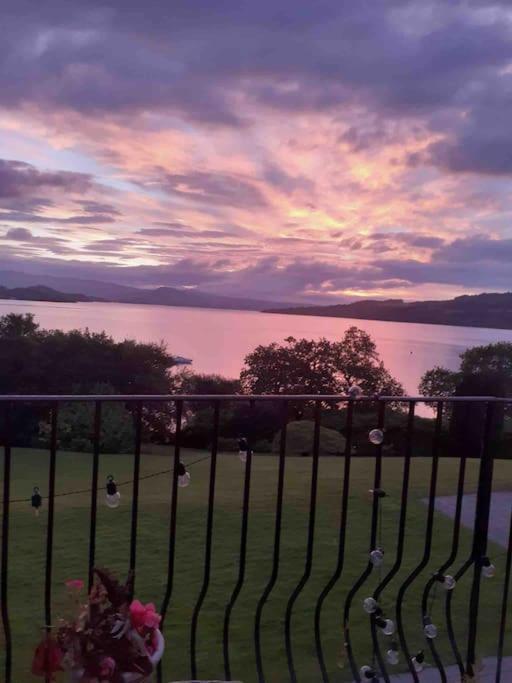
(381, 622)
(426, 620)
(378, 493)
(181, 469)
(485, 562)
(111, 486)
(420, 657)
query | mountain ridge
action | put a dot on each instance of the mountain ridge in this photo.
(489, 309)
(97, 290)
(42, 293)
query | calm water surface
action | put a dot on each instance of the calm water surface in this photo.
(218, 340)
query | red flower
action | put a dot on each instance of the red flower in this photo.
(47, 658)
(144, 616)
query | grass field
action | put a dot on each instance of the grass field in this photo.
(28, 538)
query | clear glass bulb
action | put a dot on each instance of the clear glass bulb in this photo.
(449, 582)
(370, 605)
(377, 557)
(389, 628)
(367, 672)
(418, 661)
(113, 500)
(242, 455)
(386, 625)
(376, 437)
(392, 655)
(489, 571)
(184, 480)
(430, 630)
(355, 391)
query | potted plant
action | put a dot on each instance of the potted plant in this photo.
(109, 639)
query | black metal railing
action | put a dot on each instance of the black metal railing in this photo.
(445, 441)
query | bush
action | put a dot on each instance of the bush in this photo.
(75, 427)
(227, 444)
(299, 439)
(263, 446)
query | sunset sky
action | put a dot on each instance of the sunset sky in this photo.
(302, 150)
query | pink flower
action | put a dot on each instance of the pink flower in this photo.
(75, 585)
(144, 616)
(107, 666)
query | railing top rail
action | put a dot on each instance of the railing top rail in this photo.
(21, 398)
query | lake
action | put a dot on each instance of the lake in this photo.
(218, 340)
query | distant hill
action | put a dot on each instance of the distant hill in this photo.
(480, 310)
(110, 291)
(41, 293)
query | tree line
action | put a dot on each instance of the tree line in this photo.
(38, 361)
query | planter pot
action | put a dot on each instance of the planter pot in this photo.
(75, 676)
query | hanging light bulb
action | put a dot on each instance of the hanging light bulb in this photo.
(418, 661)
(355, 391)
(386, 625)
(112, 496)
(367, 672)
(392, 655)
(243, 449)
(370, 605)
(376, 437)
(377, 557)
(36, 500)
(447, 580)
(183, 476)
(488, 569)
(378, 493)
(429, 629)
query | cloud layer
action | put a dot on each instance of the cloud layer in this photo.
(314, 151)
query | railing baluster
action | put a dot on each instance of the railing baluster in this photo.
(373, 542)
(341, 543)
(428, 542)
(401, 538)
(449, 561)
(277, 544)
(241, 566)
(208, 548)
(135, 489)
(471, 559)
(482, 516)
(504, 605)
(172, 525)
(51, 511)
(311, 540)
(94, 490)
(5, 544)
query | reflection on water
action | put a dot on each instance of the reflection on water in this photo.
(218, 340)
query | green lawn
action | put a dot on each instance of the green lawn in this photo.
(28, 538)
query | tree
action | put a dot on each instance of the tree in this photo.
(490, 360)
(439, 382)
(302, 366)
(36, 361)
(14, 325)
(52, 361)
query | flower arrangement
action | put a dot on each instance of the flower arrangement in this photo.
(109, 639)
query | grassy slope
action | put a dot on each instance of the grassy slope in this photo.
(28, 537)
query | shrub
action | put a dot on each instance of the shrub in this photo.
(299, 439)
